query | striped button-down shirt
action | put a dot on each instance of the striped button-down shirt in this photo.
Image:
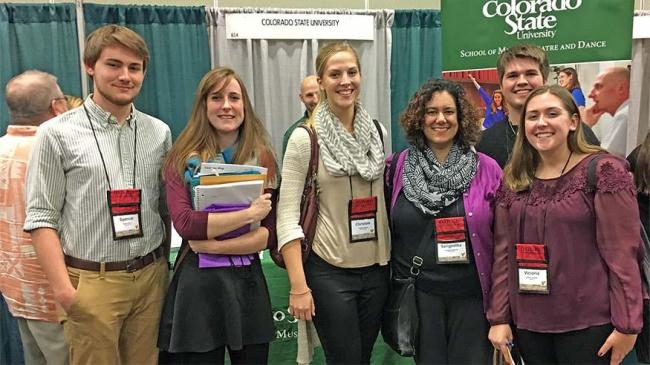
(66, 182)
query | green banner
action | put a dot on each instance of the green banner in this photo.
(474, 32)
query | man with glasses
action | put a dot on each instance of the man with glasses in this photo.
(33, 97)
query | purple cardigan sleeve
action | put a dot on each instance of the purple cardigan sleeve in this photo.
(479, 203)
(190, 224)
(618, 240)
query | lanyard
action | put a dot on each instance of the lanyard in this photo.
(351, 194)
(101, 155)
(522, 215)
(510, 147)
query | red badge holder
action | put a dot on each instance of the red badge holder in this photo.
(362, 219)
(534, 258)
(124, 208)
(449, 233)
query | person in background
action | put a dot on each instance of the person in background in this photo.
(33, 97)
(557, 190)
(225, 305)
(343, 285)
(639, 160)
(495, 108)
(309, 97)
(96, 209)
(521, 69)
(73, 101)
(611, 94)
(442, 179)
(568, 79)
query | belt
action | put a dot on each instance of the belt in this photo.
(132, 265)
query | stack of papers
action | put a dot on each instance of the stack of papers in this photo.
(226, 188)
(227, 185)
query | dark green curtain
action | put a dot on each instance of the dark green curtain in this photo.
(42, 37)
(416, 57)
(177, 38)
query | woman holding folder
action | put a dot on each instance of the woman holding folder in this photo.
(218, 297)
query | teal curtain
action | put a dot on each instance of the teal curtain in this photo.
(177, 38)
(416, 57)
(42, 37)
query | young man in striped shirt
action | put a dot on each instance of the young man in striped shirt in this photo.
(96, 209)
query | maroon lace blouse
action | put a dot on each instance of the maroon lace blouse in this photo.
(593, 246)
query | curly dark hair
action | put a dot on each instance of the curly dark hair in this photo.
(469, 127)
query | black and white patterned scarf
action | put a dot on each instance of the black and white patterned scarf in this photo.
(430, 185)
(344, 153)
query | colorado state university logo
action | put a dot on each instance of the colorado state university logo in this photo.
(528, 15)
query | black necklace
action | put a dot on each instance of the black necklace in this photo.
(566, 163)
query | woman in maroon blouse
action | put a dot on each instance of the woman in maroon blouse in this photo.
(565, 260)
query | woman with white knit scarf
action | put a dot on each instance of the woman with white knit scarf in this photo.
(343, 284)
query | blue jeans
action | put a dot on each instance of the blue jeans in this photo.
(11, 349)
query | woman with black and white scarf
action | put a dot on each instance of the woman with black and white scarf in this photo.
(442, 211)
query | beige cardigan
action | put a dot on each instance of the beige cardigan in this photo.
(331, 241)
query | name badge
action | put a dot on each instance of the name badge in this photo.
(451, 240)
(362, 219)
(124, 208)
(532, 268)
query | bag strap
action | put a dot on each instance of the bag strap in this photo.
(499, 358)
(185, 248)
(417, 260)
(381, 134)
(312, 170)
(388, 182)
(399, 171)
(591, 171)
(646, 259)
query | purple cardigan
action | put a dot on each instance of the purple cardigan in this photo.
(479, 212)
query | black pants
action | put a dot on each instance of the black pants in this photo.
(575, 347)
(249, 355)
(452, 331)
(349, 304)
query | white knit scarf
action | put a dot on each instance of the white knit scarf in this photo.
(344, 153)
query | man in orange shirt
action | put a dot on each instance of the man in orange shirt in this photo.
(33, 97)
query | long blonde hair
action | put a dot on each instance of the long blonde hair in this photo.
(200, 138)
(519, 173)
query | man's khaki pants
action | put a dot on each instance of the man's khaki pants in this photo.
(114, 317)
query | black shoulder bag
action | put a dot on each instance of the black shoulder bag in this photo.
(400, 323)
